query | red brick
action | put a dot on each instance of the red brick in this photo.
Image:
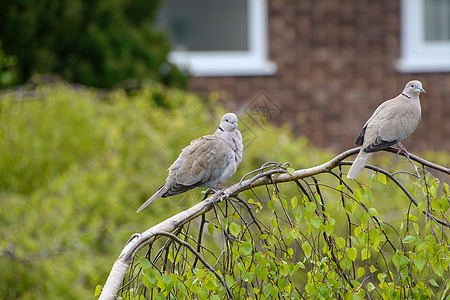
(336, 64)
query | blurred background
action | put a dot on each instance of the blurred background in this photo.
(99, 97)
(327, 63)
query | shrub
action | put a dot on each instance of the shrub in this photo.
(97, 43)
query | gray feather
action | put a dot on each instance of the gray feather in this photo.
(206, 162)
(393, 121)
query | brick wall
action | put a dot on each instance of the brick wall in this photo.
(336, 64)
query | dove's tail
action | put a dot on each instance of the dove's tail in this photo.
(158, 194)
(358, 165)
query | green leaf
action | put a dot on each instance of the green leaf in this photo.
(309, 211)
(200, 273)
(267, 289)
(433, 282)
(420, 261)
(444, 203)
(235, 229)
(181, 289)
(365, 253)
(168, 281)
(411, 217)
(356, 297)
(433, 192)
(98, 290)
(329, 229)
(291, 171)
(272, 240)
(294, 202)
(281, 284)
(409, 239)
(294, 233)
(404, 273)
(274, 291)
(307, 248)
(151, 277)
(372, 269)
(247, 277)
(413, 190)
(400, 260)
(290, 252)
(361, 272)
(340, 242)
(352, 253)
(331, 220)
(364, 217)
(349, 205)
(346, 263)
(274, 222)
(357, 195)
(382, 178)
(370, 286)
(145, 264)
(373, 212)
(229, 280)
(261, 272)
(211, 228)
(247, 248)
(374, 237)
(324, 292)
(316, 221)
(284, 270)
(202, 292)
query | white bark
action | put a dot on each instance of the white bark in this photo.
(138, 241)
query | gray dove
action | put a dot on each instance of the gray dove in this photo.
(206, 162)
(393, 121)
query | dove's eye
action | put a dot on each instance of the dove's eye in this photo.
(412, 85)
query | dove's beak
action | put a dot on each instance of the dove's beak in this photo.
(422, 90)
(236, 126)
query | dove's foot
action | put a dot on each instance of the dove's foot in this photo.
(207, 193)
(402, 148)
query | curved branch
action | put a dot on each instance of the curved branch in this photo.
(404, 190)
(421, 161)
(197, 255)
(273, 176)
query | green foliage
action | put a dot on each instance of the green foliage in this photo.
(315, 249)
(98, 43)
(8, 69)
(75, 165)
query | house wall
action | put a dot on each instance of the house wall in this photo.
(336, 64)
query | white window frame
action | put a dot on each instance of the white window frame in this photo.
(417, 54)
(253, 62)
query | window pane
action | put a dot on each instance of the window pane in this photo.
(437, 20)
(205, 25)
